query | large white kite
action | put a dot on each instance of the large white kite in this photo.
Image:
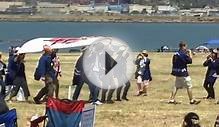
(36, 45)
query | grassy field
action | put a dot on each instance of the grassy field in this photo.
(150, 111)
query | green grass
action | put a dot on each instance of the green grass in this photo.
(150, 111)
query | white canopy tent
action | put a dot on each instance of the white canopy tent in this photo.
(202, 48)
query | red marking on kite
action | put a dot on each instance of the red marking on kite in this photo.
(63, 40)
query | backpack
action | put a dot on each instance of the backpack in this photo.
(37, 75)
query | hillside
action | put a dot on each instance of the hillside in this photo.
(180, 3)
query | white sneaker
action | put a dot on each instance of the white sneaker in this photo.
(172, 101)
(97, 103)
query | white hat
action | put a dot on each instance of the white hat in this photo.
(215, 51)
(144, 51)
(16, 50)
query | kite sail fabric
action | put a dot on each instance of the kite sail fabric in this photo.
(36, 45)
(64, 113)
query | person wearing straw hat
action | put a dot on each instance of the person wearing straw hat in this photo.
(46, 73)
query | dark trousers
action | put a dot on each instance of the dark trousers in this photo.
(94, 92)
(48, 90)
(56, 84)
(20, 82)
(125, 91)
(209, 86)
(3, 106)
(2, 85)
(79, 81)
(109, 95)
(77, 91)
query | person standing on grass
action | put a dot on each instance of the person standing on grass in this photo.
(144, 74)
(179, 69)
(46, 73)
(2, 73)
(79, 78)
(210, 77)
(125, 92)
(138, 73)
(3, 106)
(58, 70)
(123, 55)
(107, 94)
(8, 78)
(20, 78)
(12, 66)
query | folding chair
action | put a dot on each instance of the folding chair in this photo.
(61, 113)
(88, 116)
(9, 119)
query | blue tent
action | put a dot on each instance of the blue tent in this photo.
(212, 44)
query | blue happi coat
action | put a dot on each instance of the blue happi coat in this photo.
(179, 64)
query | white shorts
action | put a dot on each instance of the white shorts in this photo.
(183, 82)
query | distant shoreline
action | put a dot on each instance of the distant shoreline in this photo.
(116, 18)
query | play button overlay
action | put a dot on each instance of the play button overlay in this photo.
(108, 63)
